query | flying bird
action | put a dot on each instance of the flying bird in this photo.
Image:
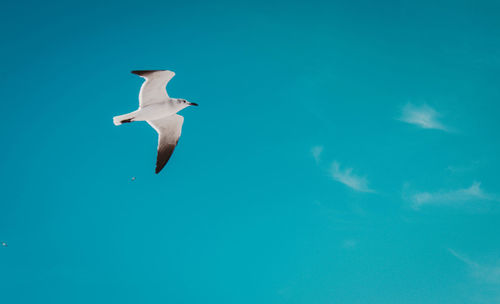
(4, 244)
(158, 110)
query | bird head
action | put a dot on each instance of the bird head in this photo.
(186, 103)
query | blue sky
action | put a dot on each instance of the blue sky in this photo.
(343, 152)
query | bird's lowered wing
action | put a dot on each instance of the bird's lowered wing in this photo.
(169, 130)
(153, 89)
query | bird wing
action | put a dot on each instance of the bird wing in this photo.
(169, 130)
(153, 90)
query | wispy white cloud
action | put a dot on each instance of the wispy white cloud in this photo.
(349, 244)
(423, 116)
(486, 273)
(472, 193)
(347, 178)
(316, 152)
(463, 168)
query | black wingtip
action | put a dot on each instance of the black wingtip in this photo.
(144, 72)
(164, 154)
(126, 120)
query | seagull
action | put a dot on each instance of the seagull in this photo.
(4, 244)
(158, 110)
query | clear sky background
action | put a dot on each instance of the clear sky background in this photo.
(343, 152)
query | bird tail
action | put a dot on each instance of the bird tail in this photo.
(120, 119)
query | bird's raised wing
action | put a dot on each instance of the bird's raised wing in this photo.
(169, 131)
(153, 89)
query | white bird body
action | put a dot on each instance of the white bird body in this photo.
(151, 112)
(159, 110)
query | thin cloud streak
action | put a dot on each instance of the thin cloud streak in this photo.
(474, 192)
(347, 178)
(349, 244)
(487, 273)
(422, 116)
(316, 152)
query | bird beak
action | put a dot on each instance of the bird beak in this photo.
(193, 104)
